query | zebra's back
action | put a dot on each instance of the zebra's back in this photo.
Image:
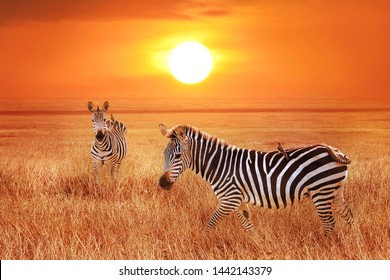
(118, 134)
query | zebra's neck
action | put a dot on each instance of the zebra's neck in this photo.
(208, 153)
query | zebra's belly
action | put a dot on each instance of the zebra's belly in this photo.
(263, 202)
(267, 201)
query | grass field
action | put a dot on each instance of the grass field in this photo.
(50, 208)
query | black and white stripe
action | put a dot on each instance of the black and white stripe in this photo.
(109, 146)
(268, 179)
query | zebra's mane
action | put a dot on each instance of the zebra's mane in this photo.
(191, 131)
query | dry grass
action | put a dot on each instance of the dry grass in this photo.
(51, 209)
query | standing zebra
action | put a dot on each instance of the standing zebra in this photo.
(109, 146)
(268, 179)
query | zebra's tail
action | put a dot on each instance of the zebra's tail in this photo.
(337, 156)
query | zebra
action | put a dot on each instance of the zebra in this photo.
(110, 144)
(240, 176)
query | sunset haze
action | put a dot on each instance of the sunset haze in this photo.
(306, 50)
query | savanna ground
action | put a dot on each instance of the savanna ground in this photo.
(50, 207)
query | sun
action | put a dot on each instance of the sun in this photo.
(190, 62)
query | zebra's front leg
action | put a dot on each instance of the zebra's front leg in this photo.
(114, 171)
(96, 165)
(245, 217)
(224, 209)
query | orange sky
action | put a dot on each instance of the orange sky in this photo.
(290, 49)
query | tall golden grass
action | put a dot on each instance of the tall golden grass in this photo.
(51, 208)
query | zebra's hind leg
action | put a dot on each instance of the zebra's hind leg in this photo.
(226, 207)
(323, 205)
(342, 208)
(245, 217)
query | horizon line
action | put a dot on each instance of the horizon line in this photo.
(29, 112)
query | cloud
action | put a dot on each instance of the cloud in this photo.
(207, 9)
(57, 10)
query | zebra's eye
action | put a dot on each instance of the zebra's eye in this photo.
(177, 156)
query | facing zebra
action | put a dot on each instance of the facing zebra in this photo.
(110, 145)
(268, 179)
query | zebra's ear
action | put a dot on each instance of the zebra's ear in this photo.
(163, 129)
(105, 105)
(181, 134)
(90, 106)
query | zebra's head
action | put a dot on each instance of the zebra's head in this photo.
(98, 119)
(177, 156)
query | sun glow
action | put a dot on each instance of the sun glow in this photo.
(190, 62)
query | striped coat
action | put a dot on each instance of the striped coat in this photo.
(268, 179)
(109, 146)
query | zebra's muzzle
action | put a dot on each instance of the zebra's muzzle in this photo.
(165, 182)
(99, 135)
